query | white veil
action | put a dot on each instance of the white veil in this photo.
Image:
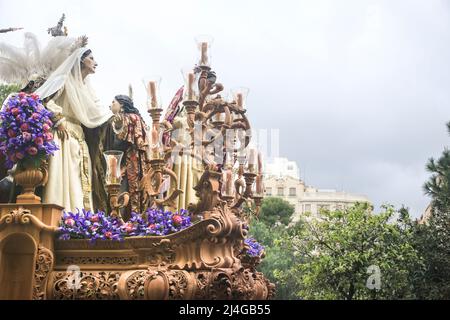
(79, 100)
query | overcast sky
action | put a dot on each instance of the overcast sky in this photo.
(357, 89)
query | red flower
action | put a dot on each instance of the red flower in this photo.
(26, 136)
(21, 94)
(177, 220)
(15, 111)
(39, 141)
(35, 96)
(19, 155)
(48, 136)
(69, 222)
(108, 234)
(32, 151)
(11, 133)
(24, 127)
(128, 227)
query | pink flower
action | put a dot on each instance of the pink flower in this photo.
(32, 151)
(46, 127)
(24, 101)
(152, 226)
(48, 136)
(18, 117)
(69, 222)
(26, 136)
(15, 111)
(39, 141)
(177, 220)
(95, 218)
(24, 127)
(128, 227)
(11, 133)
(21, 95)
(35, 116)
(35, 96)
(108, 234)
(19, 155)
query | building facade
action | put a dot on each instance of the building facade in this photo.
(307, 198)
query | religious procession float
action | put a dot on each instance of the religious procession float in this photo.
(96, 204)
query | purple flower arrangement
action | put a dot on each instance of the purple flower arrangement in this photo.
(253, 248)
(25, 131)
(88, 225)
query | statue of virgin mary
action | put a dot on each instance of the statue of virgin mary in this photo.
(70, 97)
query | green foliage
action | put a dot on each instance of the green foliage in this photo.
(275, 210)
(433, 238)
(6, 89)
(278, 258)
(328, 258)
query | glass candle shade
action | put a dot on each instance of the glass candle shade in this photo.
(204, 46)
(152, 86)
(190, 84)
(113, 159)
(239, 95)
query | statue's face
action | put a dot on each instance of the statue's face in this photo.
(115, 106)
(89, 64)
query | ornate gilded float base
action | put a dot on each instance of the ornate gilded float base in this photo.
(162, 284)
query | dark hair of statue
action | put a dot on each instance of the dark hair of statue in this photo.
(85, 54)
(126, 103)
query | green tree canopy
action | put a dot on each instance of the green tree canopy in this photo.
(338, 249)
(275, 210)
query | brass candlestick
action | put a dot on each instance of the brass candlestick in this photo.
(117, 200)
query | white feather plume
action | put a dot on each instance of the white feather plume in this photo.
(17, 65)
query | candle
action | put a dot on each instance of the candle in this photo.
(152, 89)
(259, 163)
(154, 142)
(252, 160)
(258, 184)
(229, 183)
(191, 86)
(239, 100)
(113, 167)
(204, 57)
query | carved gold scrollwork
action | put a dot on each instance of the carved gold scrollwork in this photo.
(43, 267)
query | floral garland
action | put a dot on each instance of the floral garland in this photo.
(25, 131)
(89, 225)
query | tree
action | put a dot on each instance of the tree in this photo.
(269, 229)
(275, 210)
(338, 249)
(278, 257)
(6, 89)
(433, 237)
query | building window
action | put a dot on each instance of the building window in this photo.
(307, 208)
(292, 192)
(269, 191)
(280, 192)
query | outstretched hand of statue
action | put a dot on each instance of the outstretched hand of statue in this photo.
(117, 122)
(61, 131)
